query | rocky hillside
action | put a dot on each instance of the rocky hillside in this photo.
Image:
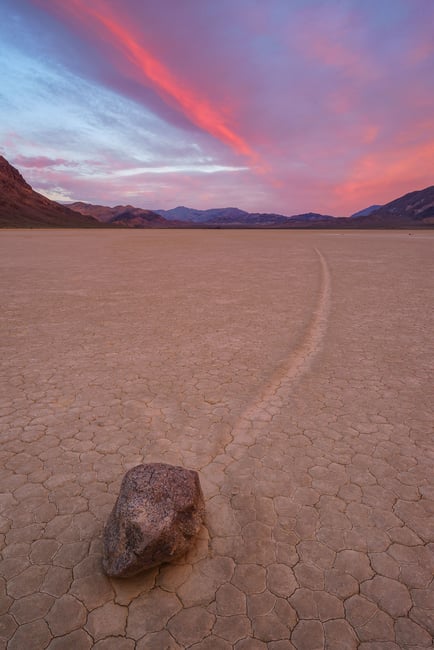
(122, 215)
(415, 209)
(22, 207)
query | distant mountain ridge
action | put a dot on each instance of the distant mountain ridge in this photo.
(235, 216)
(414, 209)
(181, 213)
(22, 207)
(122, 215)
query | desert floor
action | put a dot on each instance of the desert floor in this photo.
(293, 370)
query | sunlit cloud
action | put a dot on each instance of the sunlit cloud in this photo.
(193, 105)
(56, 194)
(278, 106)
(169, 169)
(41, 162)
(385, 173)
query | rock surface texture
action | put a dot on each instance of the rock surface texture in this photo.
(160, 509)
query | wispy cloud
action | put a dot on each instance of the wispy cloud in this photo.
(146, 68)
(41, 162)
(278, 106)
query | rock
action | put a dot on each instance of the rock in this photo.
(160, 508)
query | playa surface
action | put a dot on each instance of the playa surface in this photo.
(293, 370)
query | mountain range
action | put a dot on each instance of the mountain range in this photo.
(122, 215)
(237, 217)
(22, 207)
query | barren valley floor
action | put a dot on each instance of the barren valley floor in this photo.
(293, 370)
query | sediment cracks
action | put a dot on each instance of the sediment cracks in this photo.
(235, 587)
(250, 575)
(275, 393)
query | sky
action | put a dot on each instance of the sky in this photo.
(284, 106)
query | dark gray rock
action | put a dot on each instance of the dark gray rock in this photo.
(159, 510)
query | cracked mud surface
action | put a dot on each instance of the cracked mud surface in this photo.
(292, 370)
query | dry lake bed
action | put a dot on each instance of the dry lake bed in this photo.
(293, 370)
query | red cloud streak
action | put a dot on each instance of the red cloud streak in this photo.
(194, 107)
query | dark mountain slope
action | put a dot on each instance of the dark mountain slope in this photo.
(22, 207)
(415, 209)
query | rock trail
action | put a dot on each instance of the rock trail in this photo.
(319, 485)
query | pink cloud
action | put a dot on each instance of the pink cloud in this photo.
(321, 100)
(41, 162)
(387, 174)
(146, 68)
